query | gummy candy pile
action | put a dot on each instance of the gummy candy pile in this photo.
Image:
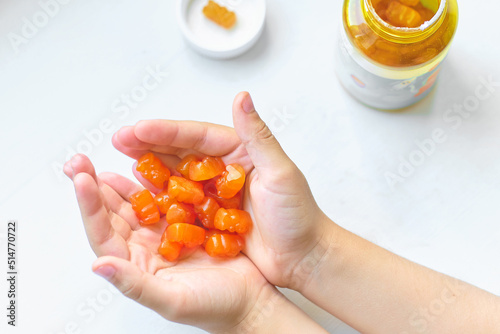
(402, 13)
(201, 206)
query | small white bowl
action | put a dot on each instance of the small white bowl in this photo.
(214, 41)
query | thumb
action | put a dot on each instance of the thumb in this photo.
(138, 285)
(262, 147)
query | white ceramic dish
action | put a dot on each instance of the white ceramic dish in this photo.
(213, 41)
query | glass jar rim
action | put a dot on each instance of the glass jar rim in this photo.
(402, 33)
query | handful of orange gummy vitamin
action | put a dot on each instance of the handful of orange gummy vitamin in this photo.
(201, 207)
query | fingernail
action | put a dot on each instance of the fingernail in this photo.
(76, 158)
(68, 169)
(247, 104)
(105, 271)
(72, 167)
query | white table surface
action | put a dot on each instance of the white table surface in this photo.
(66, 78)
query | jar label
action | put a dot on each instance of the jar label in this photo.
(382, 92)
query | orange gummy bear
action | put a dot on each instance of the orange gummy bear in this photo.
(145, 208)
(169, 250)
(219, 14)
(226, 203)
(185, 190)
(163, 201)
(183, 166)
(186, 234)
(153, 170)
(231, 181)
(206, 169)
(400, 15)
(206, 211)
(410, 3)
(181, 213)
(233, 220)
(223, 244)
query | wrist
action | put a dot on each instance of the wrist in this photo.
(260, 313)
(327, 243)
(274, 313)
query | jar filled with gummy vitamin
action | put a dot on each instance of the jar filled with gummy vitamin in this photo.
(391, 50)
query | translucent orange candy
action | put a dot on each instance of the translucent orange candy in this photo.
(163, 201)
(144, 206)
(183, 166)
(400, 15)
(219, 14)
(181, 213)
(226, 203)
(153, 170)
(186, 234)
(223, 244)
(410, 3)
(425, 13)
(184, 190)
(200, 170)
(231, 181)
(206, 169)
(233, 220)
(206, 211)
(169, 250)
(201, 207)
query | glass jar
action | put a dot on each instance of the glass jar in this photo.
(389, 57)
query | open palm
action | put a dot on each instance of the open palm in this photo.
(287, 220)
(197, 290)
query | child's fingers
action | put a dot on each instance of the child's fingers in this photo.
(127, 150)
(126, 137)
(166, 298)
(123, 186)
(262, 147)
(102, 237)
(117, 190)
(79, 164)
(205, 138)
(135, 152)
(125, 141)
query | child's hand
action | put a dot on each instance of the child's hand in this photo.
(288, 225)
(295, 245)
(216, 295)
